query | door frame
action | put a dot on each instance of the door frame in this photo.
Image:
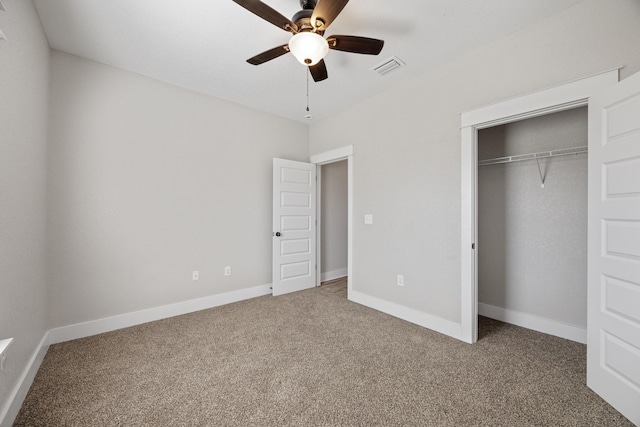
(325, 158)
(558, 98)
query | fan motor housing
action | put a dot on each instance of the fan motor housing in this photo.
(302, 19)
(308, 4)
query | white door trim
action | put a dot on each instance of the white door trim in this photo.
(558, 98)
(332, 156)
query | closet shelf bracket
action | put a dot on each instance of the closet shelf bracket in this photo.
(540, 172)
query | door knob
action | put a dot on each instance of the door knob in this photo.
(278, 234)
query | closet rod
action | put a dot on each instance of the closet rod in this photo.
(534, 156)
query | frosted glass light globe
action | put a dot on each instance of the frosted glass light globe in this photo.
(308, 48)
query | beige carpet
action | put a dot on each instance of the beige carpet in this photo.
(312, 358)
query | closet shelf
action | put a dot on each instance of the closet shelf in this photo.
(534, 156)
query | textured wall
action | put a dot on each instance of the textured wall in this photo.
(407, 145)
(334, 217)
(24, 89)
(149, 182)
(532, 241)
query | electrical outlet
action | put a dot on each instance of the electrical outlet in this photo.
(400, 280)
(195, 275)
(227, 270)
(368, 219)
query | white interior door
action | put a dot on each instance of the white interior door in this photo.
(613, 326)
(294, 226)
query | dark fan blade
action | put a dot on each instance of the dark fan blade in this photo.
(355, 44)
(319, 71)
(268, 55)
(326, 11)
(268, 14)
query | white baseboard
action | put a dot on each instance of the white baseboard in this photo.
(14, 401)
(334, 274)
(420, 318)
(537, 323)
(94, 327)
(99, 326)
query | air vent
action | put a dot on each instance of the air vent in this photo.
(388, 66)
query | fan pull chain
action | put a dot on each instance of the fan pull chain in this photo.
(308, 115)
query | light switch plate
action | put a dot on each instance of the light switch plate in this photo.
(368, 219)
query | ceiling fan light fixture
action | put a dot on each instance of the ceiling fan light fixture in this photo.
(308, 48)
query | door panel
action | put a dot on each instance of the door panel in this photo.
(613, 325)
(622, 239)
(295, 247)
(294, 226)
(295, 223)
(619, 180)
(621, 299)
(295, 200)
(294, 270)
(623, 117)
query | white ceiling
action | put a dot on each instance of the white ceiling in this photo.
(203, 45)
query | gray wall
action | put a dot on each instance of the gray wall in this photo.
(148, 182)
(334, 219)
(24, 88)
(532, 241)
(407, 145)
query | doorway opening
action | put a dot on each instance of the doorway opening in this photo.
(335, 244)
(333, 226)
(560, 98)
(532, 223)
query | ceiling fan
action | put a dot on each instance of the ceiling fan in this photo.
(308, 26)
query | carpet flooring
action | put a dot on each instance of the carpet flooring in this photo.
(312, 358)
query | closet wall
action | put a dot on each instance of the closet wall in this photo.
(334, 225)
(532, 241)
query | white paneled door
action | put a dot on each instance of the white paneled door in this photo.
(294, 226)
(613, 326)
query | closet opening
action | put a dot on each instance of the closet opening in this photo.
(532, 223)
(563, 97)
